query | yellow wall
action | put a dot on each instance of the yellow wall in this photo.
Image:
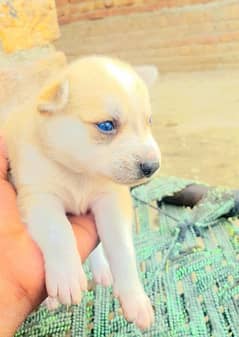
(27, 23)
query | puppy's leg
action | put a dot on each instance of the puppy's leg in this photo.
(100, 267)
(113, 215)
(45, 217)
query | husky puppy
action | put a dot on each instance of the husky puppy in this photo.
(78, 147)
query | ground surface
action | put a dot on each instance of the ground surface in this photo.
(196, 115)
(196, 123)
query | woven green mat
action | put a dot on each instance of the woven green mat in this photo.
(188, 263)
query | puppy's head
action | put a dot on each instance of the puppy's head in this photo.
(96, 118)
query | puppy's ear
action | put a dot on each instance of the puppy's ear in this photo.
(54, 97)
(148, 73)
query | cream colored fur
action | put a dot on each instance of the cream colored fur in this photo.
(61, 162)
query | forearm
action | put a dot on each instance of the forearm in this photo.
(21, 283)
(22, 279)
(15, 309)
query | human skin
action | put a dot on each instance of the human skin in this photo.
(22, 286)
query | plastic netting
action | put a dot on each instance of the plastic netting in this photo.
(188, 264)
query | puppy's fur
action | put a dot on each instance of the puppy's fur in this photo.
(61, 162)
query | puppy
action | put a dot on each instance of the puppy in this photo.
(78, 147)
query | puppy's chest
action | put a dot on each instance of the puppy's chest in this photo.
(77, 194)
(36, 174)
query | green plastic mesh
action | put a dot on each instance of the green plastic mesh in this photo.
(188, 264)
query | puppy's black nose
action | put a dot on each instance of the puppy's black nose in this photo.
(148, 168)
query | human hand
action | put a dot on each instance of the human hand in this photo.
(22, 281)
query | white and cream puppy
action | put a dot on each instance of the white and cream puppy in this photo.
(78, 147)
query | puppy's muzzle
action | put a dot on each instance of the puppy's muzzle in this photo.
(148, 168)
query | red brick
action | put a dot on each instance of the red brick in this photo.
(162, 21)
(64, 20)
(232, 25)
(107, 3)
(63, 11)
(231, 36)
(100, 4)
(77, 1)
(231, 11)
(61, 2)
(186, 50)
(76, 9)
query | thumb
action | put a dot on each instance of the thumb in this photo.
(3, 159)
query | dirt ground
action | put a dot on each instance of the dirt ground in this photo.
(196, 115)
(196, 122)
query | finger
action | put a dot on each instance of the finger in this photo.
(86, 234)
(3, 159)
(9, 214)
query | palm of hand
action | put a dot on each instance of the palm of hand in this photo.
(21, 263)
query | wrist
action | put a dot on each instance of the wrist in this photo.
(15, 307)
(21, 283)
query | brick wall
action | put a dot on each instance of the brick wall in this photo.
(173, 34)
(176, 35)
(72, 10)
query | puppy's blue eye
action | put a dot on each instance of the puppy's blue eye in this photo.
(106, 126)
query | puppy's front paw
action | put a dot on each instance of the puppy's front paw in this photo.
(136, 306)
(65, 279)
(51, 303)
(101, 273)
